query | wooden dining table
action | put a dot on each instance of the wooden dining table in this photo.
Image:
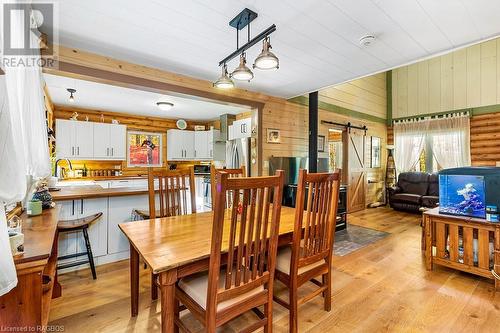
(175, 247)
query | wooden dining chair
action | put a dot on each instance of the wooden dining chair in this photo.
(233, 173)
(310, 253)
(176, 195)
(243, 255)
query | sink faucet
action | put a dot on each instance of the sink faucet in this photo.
(58, 174)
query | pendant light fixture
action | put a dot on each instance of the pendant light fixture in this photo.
(164, 106)
(224, 81)
(242, 72)
(266, 59)
(71, 92)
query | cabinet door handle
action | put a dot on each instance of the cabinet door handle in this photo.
(81, 208)
(195, 153)
(72, 151)
(78, 150)
(107, 151)
(112, 151)
(73, 210)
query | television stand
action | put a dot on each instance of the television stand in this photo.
(464, 243)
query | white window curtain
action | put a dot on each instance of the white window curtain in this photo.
(23, 147)
(409, 140)
(450, 137)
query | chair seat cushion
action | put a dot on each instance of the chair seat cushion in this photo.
(285, 258)
(196, 286)
(407, 197)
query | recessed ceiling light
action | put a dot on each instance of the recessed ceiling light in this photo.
(367, 40)
(164, 106)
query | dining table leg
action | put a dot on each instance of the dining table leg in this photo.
(134, 281)
(167, 289)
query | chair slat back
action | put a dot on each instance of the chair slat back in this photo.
(315, 214)
(233, 173)
(248, 231)
(176, 192)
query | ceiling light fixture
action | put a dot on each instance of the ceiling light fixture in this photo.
(266, 59)
(71, 92)
(164, 106)
(242, 72)
(224, 81)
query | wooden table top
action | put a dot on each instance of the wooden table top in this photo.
(39, 232)
(171, 242)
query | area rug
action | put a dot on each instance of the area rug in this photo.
(354, 238)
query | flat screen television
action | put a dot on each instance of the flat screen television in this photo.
(462, 195)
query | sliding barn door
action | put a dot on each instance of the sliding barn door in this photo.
(356, 171)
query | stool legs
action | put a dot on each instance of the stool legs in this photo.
(89, 252)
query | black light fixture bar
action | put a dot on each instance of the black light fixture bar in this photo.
(249, 44)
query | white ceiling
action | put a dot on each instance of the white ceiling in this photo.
(98, 96)
(316, 40)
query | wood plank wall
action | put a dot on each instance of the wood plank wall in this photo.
(134, 123)
(367, 95)
(466, 78)
(485, 139)
(292, 120)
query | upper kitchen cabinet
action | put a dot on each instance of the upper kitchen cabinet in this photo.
(194, 145)
(240, 129)
(90, 141)
(109, 141)
(74, 139)
(180, 145)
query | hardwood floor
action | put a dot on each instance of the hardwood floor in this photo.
(383, 287)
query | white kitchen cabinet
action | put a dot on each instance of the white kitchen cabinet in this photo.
(109, 141)
(118, 141)
(216, 148)
(201, 146)
(120, 211)
(73, 242)
(180, 145)
(240, 129)
(74, 139)
(195, 145)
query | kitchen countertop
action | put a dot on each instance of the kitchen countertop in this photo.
(93, 191)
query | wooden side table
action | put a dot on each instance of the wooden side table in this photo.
(468, 244)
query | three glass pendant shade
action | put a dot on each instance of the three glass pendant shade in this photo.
(266, 60)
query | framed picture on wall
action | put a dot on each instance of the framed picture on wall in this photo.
(144, 149)
(273, 135)
(321, 143)
(375, 152)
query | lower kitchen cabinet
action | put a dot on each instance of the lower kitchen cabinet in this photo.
(120, 210)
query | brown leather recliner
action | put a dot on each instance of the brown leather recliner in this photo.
(414, 190)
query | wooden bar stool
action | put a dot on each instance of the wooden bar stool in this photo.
(75, 225)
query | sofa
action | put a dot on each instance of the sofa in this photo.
(414, 190)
